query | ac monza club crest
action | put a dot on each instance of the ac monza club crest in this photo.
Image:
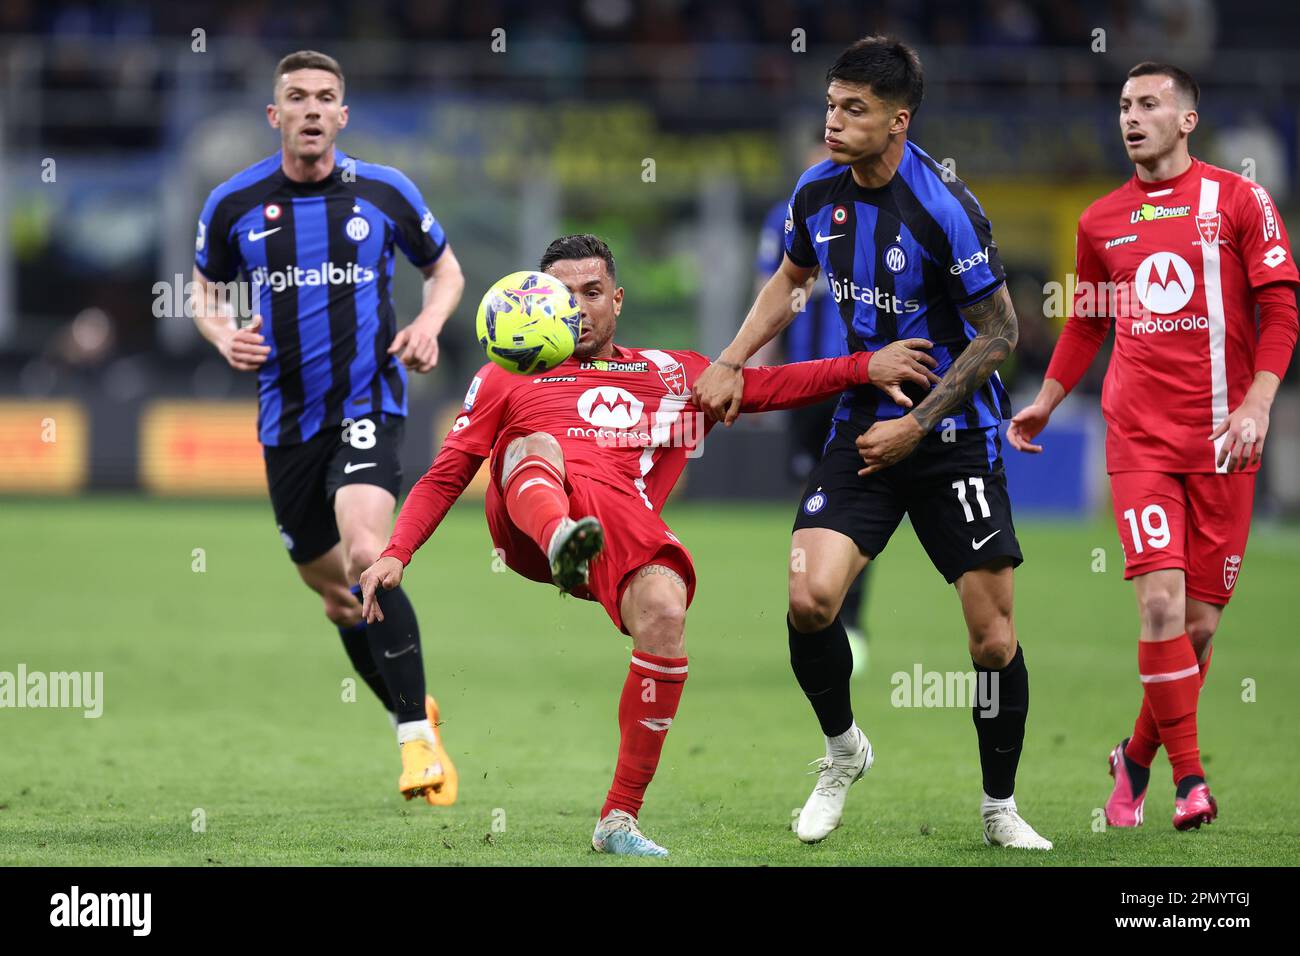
(674, 379)
(1231, 568)
(1208, 224)
(272, 211)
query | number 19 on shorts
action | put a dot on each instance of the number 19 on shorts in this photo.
(1154, 523)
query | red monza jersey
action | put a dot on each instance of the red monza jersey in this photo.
(1180, 267)
(626, 425)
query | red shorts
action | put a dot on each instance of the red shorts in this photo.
(634, 537)
(1197, 523)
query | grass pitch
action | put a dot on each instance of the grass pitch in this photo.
(225, 737)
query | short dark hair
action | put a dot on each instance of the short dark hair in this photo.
(308, 60)
(889, 66)
(1183, 81)
(583, 246)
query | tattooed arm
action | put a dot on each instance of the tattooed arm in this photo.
(994, 321)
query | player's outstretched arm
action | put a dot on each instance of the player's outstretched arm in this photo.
(416, 346)
(994, 321)
(719, 388)
(774, 387)
(425, 507)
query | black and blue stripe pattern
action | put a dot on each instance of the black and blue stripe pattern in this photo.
(320, 257)
(900, 261)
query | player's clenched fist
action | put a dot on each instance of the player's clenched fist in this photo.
(244, 348)
(385, 573)
(900, 362)
(718, 391)
(416, 347)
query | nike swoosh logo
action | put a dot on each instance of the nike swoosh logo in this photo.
(979, 544)
(390, 656)
(349, 468)
(1002, 751)
(254, 236)
(657, 724)
(820, 238)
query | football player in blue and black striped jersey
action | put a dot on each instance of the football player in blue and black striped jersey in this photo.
(315, 232)
(908, 256)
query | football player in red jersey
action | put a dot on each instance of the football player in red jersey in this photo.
(582, 459)
(1179, 257)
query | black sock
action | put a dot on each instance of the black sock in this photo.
(823, 663)
(357, 645)
(1187, 783)
(1004, 694)
(395, 647)
(1138, 775)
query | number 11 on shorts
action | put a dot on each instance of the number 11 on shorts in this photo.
(978, 485)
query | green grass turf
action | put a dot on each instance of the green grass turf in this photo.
(223, 693)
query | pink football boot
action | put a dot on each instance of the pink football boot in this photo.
(1194, 809)
(1123, 809)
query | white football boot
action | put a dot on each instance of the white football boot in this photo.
(1003, 826)
(619, 834)
(825, 806)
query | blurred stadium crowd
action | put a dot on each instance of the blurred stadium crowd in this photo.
(116, 119)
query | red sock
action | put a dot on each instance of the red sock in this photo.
(1144, 743)
(645, 711)
(535, 499)
(1171, 680)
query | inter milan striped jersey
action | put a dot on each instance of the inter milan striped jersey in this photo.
(320, 260)
(900, 261)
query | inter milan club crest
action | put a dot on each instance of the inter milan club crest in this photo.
(272, 211)
(357, 228)
(1208, 224)
(1231, 567)
(839, 215)
(674, 379)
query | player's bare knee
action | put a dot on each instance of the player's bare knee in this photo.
(992, 640)
(1160, 608)
(538, 444)
(811, 609)
(994, 650)
(1200, 633)
(342, 613)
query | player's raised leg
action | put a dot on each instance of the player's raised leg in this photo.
(653, 609)
(327, 576)
(364, 513)
(1002, 699)
(824, 563)
(532, 484)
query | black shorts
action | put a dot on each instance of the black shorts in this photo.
(304, 477)
(955, 493)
